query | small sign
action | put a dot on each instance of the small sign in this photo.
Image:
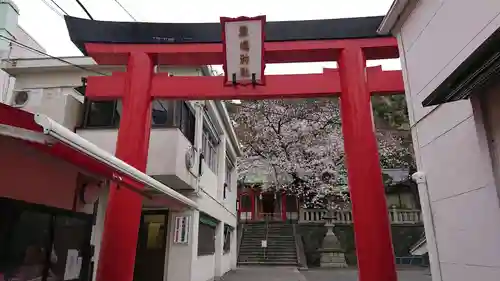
(263, 243)
(73, 265)
(243, 43)
(181, 232)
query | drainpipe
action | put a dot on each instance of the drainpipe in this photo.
(428, 218)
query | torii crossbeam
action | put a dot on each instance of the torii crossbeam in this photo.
(349, 41)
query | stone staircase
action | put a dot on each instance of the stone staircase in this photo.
(281, 248)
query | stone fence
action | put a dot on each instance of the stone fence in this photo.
(396, 216)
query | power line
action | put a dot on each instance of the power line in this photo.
(57, 5)
(126, 11)
(52, 8)
(26, 47)
(84, 9)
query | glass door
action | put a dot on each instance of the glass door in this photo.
(40, 243)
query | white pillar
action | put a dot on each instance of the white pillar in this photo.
(428, 218)
(98, 228)
(234, 248)
(182, 257)
(219, 249)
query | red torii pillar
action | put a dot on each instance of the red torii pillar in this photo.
(353, 81)
(372, 231)
(123, 212)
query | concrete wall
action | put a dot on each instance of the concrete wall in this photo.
(210, 200)
(460, 204)
(167, 149)
(6, 81)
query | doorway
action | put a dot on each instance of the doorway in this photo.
(151, 246)
(268, 203)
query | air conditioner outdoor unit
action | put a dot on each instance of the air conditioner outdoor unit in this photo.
(20, 98)
(26, 98)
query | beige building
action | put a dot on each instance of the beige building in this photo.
(450, 61)
(175, 242)
(180, 132)
(9, 29)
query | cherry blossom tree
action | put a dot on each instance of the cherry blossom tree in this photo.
(297, 146)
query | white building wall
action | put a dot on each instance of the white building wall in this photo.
(6, 81)
(167, 149)
(461, 204)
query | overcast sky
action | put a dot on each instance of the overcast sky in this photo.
(49, 29)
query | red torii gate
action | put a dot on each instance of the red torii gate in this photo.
(353, 82)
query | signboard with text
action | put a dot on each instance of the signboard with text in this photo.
(181, 230)
(243, 45)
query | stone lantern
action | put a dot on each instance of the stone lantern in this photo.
(332, 254)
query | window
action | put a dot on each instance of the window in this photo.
(35, 241)
(228, 232)
(186, 121)
(102, 114)
(106, 114)
(246, 202)
(209, 149)
(206, 235)
(228, 180)
(160, 113)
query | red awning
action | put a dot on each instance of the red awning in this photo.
(21, 124)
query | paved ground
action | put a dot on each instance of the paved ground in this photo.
(352, 275)
(265, 273)
(292, 274)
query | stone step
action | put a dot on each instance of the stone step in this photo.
(268, 254)
(270, 232)
(260, 250)
(262, 259)
(269, 242)
(270, 236)
(267, 262)
(277, 247)
(263, 226)
(268, 239)
(258, 244)
(271, 246)
(282, 237)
